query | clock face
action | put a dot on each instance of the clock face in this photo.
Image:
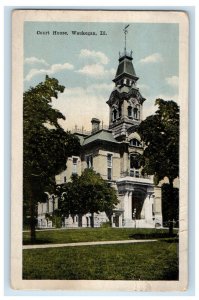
(132, 101)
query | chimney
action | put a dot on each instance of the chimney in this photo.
(95, 125)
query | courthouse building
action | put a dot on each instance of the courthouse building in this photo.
(114, 153)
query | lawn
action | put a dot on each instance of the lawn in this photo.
(93, 234)
(145, 261)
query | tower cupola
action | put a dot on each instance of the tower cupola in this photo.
(125, 75)
(125, 101)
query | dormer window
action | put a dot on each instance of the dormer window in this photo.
(135, 143)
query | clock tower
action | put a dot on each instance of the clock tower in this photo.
(125, 102)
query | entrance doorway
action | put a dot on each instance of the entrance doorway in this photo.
(138, 198)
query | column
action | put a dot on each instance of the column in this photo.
(148, 208)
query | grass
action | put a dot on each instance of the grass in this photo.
(144, 261)
(93, 234)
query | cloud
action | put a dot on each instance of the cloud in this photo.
(98, 56)
(101, 87)
(34, 60)
(153, 58)
(95, 70)
(53, 69)
(80, 105)
(172, 81)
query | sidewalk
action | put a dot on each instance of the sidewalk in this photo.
(25, 247)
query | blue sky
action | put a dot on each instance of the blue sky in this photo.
(86, 65)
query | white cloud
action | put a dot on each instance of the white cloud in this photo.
(34, 60)
(53, 69)
(80, 105)
(98, 56)
(96, 70)
(173, 81)
(101, 87)
(153, 58)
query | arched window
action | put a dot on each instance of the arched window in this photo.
(129, 111)
(134, 142)
(135, 113)
(114, 114)
(120, 111)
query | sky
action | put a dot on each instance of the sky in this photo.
(86, 64)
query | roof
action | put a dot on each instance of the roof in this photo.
(102, 135)
(125, 66)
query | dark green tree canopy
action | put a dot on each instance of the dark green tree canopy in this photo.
(46, 146)
(160, 133)
(87, 193)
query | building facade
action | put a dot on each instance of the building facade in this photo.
(114, 153)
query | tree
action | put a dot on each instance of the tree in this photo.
(175, 204)
(160, 133)
(88, 193)
(46, 145)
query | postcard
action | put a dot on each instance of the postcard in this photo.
(99, 150)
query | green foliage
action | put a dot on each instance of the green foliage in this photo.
(46, 145)
(160, 133)
(87, 193)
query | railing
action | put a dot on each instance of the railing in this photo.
(121, 54)
(134, 174)
(81, 131)
(87, 132)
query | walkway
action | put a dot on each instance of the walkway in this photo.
(43, 246)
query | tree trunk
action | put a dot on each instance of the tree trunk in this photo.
(92, 220)
(80, 220)
(32, 220)
(170, 207)
(33, 208)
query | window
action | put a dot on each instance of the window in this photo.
(119, 111)
(64, 179)
(114, 114)
(135, 143)
(74, 171)
(135, 113)
(134, 161)
(89, 161)
(109, 166)
(130, 111)
(134, 165)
